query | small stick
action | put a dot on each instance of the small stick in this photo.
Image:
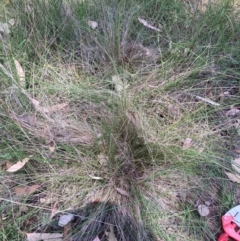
(207, 101)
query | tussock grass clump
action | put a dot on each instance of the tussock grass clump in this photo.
(111, 119)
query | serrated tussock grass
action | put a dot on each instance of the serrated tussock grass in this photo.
(106, 112)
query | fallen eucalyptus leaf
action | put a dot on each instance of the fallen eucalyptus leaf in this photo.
(121, 191)
(233, 177)
(44, 236)
(236, 165)
(25, 191)
(18, 165)
(20, 73)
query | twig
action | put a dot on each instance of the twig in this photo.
(207, 101)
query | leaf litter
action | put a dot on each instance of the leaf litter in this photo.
(44, 236)
(64, 129)
(19, 165)
(234, 177)
(122, 192)
(25, 191)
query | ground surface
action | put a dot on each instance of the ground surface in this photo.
(122, 113)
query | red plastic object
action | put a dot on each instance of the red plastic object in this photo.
(231, 223)
(223, 237)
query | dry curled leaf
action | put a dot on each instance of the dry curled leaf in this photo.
(146, 24)
(203, 210)
(92, 24)
(233, 177)
(18, 165)
(95, 178)
(187, 143)
(133, 117)
(25, 191)
(121, 191)
(44, 236)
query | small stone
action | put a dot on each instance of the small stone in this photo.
(203, 210)
(65, 219)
